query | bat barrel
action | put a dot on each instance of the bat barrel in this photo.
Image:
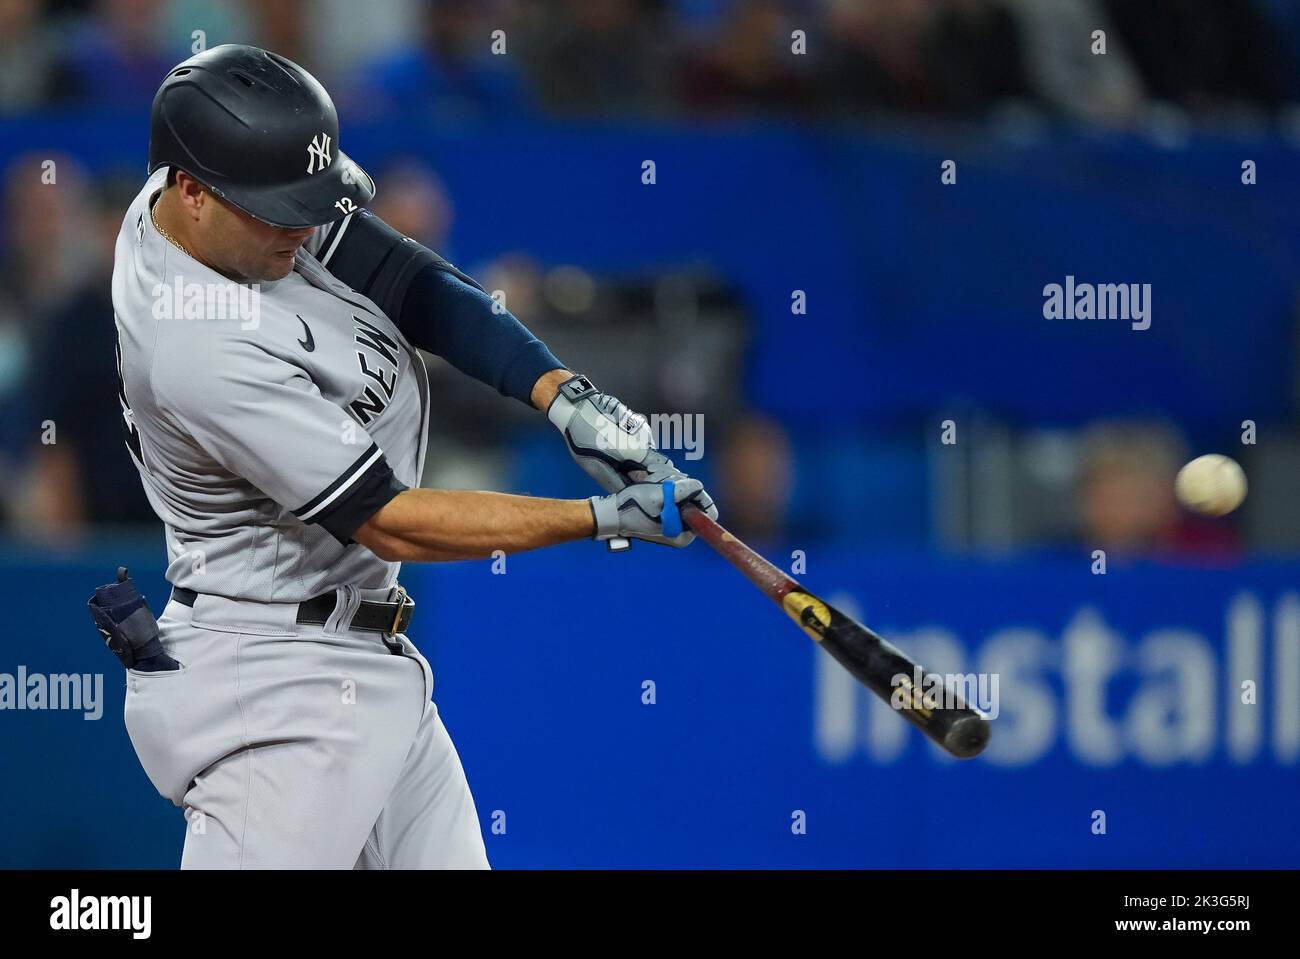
(946, 719)
(930, 704)
(966, 737)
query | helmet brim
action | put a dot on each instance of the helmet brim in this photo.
(316, 199)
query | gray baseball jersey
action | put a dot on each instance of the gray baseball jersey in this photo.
(268, 421)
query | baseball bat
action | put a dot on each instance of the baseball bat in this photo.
(882, 668)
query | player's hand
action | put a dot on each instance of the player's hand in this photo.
(651, 511)
(611, 443)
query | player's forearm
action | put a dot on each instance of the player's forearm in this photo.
(424, 525)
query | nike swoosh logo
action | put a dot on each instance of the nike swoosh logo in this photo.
(308, 344)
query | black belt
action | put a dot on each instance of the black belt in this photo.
(387, 618)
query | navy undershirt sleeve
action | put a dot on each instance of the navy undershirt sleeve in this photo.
(435, 305)
(443, 314)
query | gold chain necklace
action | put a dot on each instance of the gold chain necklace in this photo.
(170, 239)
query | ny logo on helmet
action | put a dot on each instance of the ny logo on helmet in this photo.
(318, 153)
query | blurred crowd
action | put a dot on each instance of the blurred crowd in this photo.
(806, 59)
(471, 60)
(65, 472)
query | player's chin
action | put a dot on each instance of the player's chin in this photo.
(278, 266)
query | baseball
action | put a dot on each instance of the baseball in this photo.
(1213, 485)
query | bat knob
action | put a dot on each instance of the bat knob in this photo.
(967, 737)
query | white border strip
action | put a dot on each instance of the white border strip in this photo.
(356, 475)
(338, 235)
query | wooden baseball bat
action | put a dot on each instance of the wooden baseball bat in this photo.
(882, 668)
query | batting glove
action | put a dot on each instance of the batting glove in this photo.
(611, 443)
(651, 511)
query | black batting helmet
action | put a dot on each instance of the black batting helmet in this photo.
(259, 132)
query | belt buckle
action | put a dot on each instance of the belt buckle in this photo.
(401, 608)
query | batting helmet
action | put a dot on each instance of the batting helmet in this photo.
(258, 131)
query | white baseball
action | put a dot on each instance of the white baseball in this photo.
(1213, 485)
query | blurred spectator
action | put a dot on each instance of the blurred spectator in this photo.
(279, 26)
(747, 64)
(15, 414)
(86, 474)
(1203, 55)
(216, 23)
(449, 70)
(1284, 22)
(950, 57)
(43, 251)
(29, 74)
(1127, 494)
(41, 256)
(604, 58)
(876, 61)
(117, 57)
(412, 199)
(519, 277)
(1062, 69)
(975, 52)
(755, 471)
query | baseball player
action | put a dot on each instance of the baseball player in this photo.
(276, 406)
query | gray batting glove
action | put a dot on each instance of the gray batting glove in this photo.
(610, 442)
(651, 511)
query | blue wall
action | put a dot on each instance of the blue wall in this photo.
(751, 722)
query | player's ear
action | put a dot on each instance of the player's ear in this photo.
(191, 190)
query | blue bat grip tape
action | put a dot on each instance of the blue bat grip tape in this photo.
(671, 518)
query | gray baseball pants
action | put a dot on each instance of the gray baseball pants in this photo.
(300, 747)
